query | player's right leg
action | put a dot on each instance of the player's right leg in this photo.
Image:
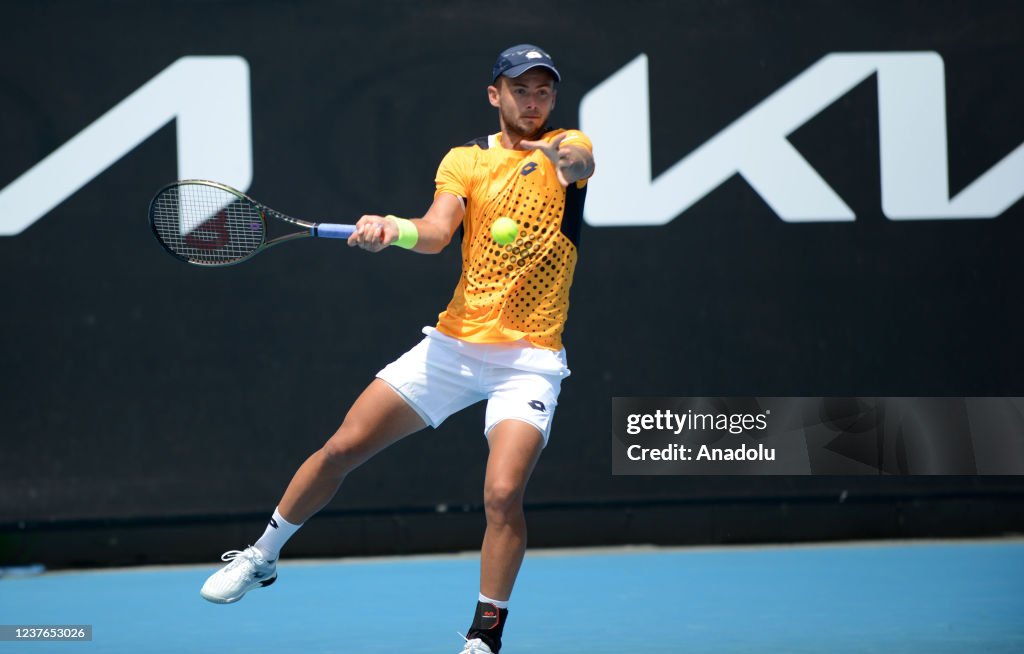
(378, 418)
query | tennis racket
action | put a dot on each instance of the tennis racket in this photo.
(210, 224)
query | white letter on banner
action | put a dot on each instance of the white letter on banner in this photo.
(912, 135)
(209, 97)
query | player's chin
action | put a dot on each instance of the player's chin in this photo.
(530, 128)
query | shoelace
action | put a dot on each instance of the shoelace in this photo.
(237, 557)
(475, 646)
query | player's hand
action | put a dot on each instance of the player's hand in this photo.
(373, 233)
(563, 158)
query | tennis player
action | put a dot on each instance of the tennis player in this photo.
(499, 339)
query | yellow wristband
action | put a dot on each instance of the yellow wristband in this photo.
(408, 235)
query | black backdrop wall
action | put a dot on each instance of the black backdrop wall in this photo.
(142, 396)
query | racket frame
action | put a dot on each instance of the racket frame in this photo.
(311, 228)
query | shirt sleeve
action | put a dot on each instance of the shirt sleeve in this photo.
(577, 138)
(454, 173)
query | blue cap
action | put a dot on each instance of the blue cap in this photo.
(518, 59)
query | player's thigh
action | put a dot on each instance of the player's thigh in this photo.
(524, 396)
(515, 448)
(378, 418)
(435, 380)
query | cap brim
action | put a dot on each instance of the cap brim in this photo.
(516, 71)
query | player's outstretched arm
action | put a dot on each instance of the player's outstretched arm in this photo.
(572, 162)
(432, 232)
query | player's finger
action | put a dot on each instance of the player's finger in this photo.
(372, 236)
(548, 147)
(364, 227)
(357, 233)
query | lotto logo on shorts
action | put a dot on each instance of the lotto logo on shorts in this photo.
(537, 405)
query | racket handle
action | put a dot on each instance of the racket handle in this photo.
(333, 230)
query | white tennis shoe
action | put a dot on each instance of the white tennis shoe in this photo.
(475, 646)
(247, 570)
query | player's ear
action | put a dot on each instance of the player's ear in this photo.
(493, 94)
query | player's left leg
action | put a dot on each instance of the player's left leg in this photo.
(520, 407)
(515, 447)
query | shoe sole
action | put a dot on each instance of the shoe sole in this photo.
(231, 600)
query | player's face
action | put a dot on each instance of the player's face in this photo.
(525, 102)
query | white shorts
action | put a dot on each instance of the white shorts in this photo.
(443, 375)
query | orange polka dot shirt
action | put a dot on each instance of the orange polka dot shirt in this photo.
(518, 291)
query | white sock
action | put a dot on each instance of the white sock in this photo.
(276, 535)
(487, 600)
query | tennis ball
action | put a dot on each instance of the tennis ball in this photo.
(504, 230)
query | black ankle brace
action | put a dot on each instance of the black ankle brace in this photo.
(488, 623)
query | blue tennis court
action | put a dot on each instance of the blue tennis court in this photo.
(877, 597)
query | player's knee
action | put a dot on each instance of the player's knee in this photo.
(341, 454)
(502, 500)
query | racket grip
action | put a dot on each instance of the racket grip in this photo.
(333, 230)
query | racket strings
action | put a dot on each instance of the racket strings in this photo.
(206, 224)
